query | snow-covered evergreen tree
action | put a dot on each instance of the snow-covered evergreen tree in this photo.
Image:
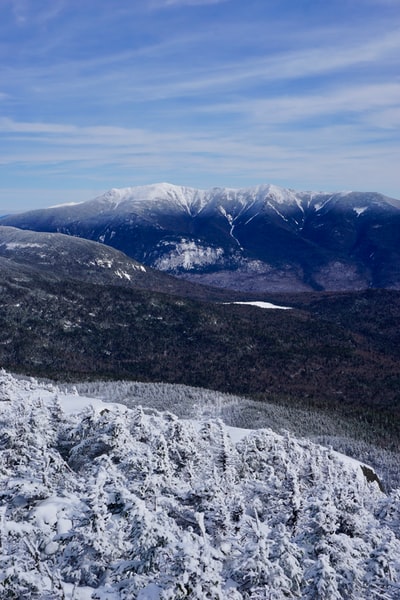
(104, 502)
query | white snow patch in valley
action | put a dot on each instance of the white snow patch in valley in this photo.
(266, 305)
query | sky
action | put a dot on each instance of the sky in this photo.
(97, 94)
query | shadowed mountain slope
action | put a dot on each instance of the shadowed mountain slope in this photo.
(63, 257)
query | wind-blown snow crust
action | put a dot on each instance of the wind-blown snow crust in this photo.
(104, 502)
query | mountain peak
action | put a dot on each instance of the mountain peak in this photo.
(187, 198)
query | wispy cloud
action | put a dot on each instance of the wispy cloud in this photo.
(55, 146)
(245, 97)
(155, 80)
(118, 94)
(350, 100)
(27, 12)
(177, 3)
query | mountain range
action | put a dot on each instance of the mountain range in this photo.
(256, 239)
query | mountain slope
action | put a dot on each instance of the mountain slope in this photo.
(257, 239)
(68, 257)
(62, 257)
(99, 501)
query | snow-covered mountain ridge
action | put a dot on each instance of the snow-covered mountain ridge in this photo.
(262, 238)
(110, 503)
(231, 202)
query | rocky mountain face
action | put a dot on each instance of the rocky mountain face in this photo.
(257, 239)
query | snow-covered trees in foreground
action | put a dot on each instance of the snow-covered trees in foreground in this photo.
(104, 502)
(353, 435)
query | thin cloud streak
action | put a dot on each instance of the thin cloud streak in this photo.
(188, 81)
(28, 14)
(358, 100)
(182, 3)
(350, 100)
(185, 90)
(106, 145)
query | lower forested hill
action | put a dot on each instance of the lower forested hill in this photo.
(373, 314)
(330, 351)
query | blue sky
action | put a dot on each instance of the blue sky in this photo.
(97, 94)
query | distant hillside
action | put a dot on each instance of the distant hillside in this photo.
(60, 258)
(257, 239)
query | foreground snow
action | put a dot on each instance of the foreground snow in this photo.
(104, 502)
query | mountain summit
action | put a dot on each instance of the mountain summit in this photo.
(263, 238)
